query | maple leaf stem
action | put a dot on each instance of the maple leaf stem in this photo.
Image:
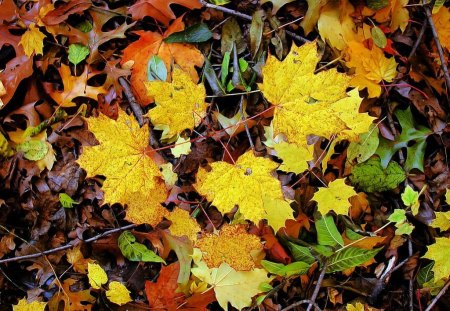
(246, 17)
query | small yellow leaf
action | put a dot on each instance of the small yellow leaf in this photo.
(76, 258)
(295, 158)
(441, 21)
(439, 252)
(233, 245)
(182, 147)
(118, 293)
(183, 224)
(334, 198)
(32, 40)
(356, 306)
(261, 198)
(170, 178)
(180, 104)
(23, 305)
(97, 276)
(442, 221)
(132, 177)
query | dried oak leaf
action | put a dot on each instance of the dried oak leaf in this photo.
(250, 185)
(371, 67)
(81, 300)
(160, 9)
(186, 56)
(179, 104)
(132, 177)
(308, 103)
(233, 245)
(74, 87)
(17, 69)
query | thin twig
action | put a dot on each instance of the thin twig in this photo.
(247, 17)
(318, 285)
(301, 302)
(419, 39)
(411, 280)
(137, 110)
(427, 9)
(438, 296)
(67, 246)
(241, 108)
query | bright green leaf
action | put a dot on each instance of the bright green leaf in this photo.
(33, 150)
(135, 251)
(194, 34)
(327, 232)
(66, 201)
(77, 53)
(350, 257)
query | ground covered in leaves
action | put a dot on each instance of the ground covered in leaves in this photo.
(223, 155)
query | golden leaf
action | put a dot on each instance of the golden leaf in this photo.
(179, 105)
(395, 13)
(76, 258)
(334, 198)
(132, 178)
(118, 293)
(182, 147)
(231, 286)
(306, 101)
(23, 305)
(248, 184)
(371, 67)
(439, 252)
(32, 41)
(441, 21)
(442, 221)
(97, 276)
(295, 158)
(233, 245)
(183, 224)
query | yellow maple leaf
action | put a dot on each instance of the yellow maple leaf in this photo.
(371, 67)
(248, 184)
(439, 252)
(179, 104)
(132, 177)
(233, 245)
(356, 306)
(295, 158)
(118, 293)
(334, 198)
(183, 224)
(23, 305)
(76, 258)
(97, 276)
(442, 221)
(441, 21)
(306, 101)
(231, 286)
(32, 41)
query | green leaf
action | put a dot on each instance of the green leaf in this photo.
(413, 138)
(379, 38)
(399, 215)
(225, 67)
(371, 177)
(66, 201)
(377, 4)
(77, 53)
(301, 253)
(219, 2)
(156, 69)
(404, 228)
(135, 251)
(327, 233)
(366, 147)
(295, 268)
(85, 26)
(352, 235)
(325, 251)
(425, 274)
(350, 257)
(401, 222)
(194, 34)
(409, 196)
(33, 150)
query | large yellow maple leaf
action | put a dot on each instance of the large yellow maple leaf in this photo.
(249, 185)
(309, 103)
(439, 252)
(371, 67)
(179, 104)
(132, 177)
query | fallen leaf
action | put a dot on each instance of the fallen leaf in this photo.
(442, 221)
(32, 41)
(334, 198)
(277, 4)
(76, 258)
(97, 276)
(160, 9)
(439, 252)
(118, 293)
(440, 20)
(132, 178)
(395, 13)
(24, 305)
(183, 224)
(232, 245)
(260, 198)
(81, 300)
(295, 158)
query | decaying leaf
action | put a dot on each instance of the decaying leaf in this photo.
(305, 101)
(132, 178)
(179, 104)
(260, 198)
(234, 246)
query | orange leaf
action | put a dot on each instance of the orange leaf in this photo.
(160, 9)
(149, 44)
(162, 295)
(72, 300)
